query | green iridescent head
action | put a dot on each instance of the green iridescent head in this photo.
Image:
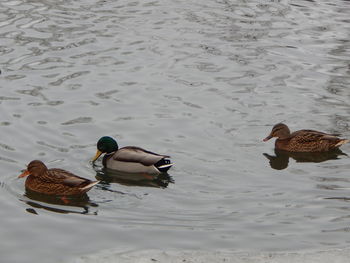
(105, 144)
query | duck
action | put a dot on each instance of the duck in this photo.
(54, 181)
(303, 140)
(130, 159)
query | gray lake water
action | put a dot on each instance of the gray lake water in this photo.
(203, 81)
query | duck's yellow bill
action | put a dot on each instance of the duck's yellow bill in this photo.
(24, 174)
(98, 154)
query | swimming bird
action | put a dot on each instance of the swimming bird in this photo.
(130, 159)
(304, 140)
(54, 181)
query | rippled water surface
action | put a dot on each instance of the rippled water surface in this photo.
(202, 81)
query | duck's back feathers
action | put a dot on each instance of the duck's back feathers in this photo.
(60, 176)
(138, 155)
(310, 141)
(304, 136)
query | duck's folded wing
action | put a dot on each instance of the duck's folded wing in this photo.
(76, 182)
(66, 178)
(138, 155)
(305, 136)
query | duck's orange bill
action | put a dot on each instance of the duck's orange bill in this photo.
(98, 154)
(267, 138)
(24, 174)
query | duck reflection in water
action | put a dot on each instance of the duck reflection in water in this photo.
(161, 180)
(79, 204)
(281, 159)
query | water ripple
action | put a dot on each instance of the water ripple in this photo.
(78, 120)
(203, 81)
(68, 77)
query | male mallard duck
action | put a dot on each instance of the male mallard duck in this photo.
(304, 140)
(54, 181)
(130, 159)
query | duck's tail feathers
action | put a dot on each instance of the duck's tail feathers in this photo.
(341, 142)
(163, 165)
(90, 185)
(164, 168)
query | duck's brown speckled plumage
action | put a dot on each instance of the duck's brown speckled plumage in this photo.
(304, 140)
(54, 181)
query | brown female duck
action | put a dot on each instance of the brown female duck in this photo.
(304, 140)
(54, 181)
